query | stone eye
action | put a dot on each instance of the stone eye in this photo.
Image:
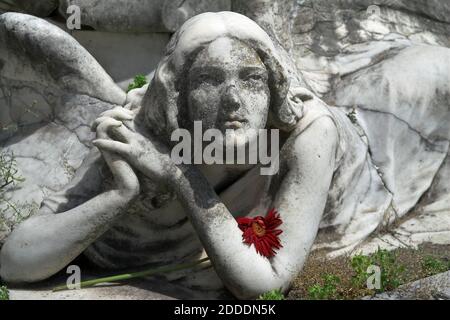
(253, 77)
(207, 78)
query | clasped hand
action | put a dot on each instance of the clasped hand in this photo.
(116, 134)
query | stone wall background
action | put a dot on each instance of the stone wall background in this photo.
(334, 38)
(326, 38)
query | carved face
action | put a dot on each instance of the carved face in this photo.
(228, 88)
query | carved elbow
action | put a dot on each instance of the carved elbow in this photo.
(17, 264)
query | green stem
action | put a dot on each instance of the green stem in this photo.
(139, 274)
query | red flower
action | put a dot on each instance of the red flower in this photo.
(262, 232)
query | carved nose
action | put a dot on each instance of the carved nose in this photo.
(230, 98)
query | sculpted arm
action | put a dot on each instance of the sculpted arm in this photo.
(300, 201)
(46, 242)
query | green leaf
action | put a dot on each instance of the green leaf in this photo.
(272, 295)
(139, 82)
(326, 291)
(4, 293)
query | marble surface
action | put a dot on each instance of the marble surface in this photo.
(391, 68)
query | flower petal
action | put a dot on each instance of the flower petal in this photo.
(266, 242)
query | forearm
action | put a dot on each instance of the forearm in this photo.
(246, 273)
(44, 244)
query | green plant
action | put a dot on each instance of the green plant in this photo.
(392, 272)
(326, 291)
(359, 264)
(4, 293)
(138, 82)
(432, 265)
(272, 295)
(9, 177)
(8, 170)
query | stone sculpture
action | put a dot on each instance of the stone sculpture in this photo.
(340, 178)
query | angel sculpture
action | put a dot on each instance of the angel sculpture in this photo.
(129, 205)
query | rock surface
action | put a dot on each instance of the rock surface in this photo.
(51, 92)
(140, 15)
(433, 288)
(339, 45)
(137, 289)
(105, 292)
(417, 119)
(41, 8)
(335, 38)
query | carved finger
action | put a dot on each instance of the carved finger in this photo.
(105, 126)
(123, 173)
(122, 133)
(118, 113)
(112, 146)
(113, 114)
(97, 122)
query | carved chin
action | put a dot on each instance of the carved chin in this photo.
(236, 137)
(242, 136)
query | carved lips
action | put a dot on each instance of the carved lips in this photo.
(262, 232)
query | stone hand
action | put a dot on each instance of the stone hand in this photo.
(146, 154)
(126, 179)
(117, 113)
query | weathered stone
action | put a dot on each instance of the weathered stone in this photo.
(334, 38)
(175, 13)
(432, 288)
(140, 15)
(46, 86)
(41, 8)
(381, 147)
(156, 288)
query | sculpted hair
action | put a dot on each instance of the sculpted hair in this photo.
(164, 106)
